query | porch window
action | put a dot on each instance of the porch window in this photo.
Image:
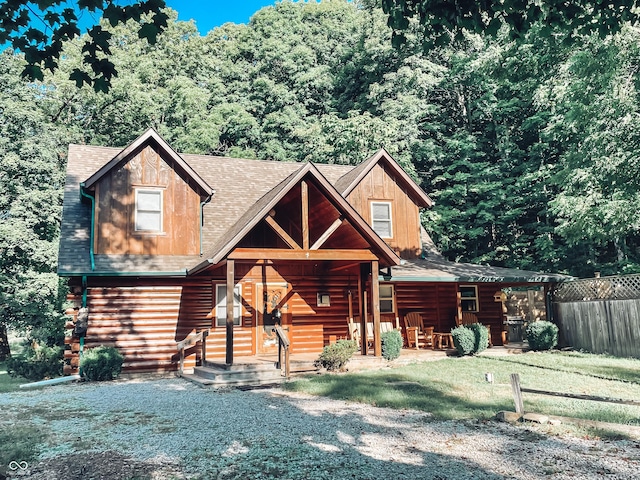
(381, 219)
(469, 298)
(386, 299)
(221, 305)
(148, 210)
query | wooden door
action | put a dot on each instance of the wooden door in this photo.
(271, 309)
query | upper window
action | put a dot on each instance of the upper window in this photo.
(386, 299)
(148, 210)
(381, 219)
(469, 298)
(221, 305)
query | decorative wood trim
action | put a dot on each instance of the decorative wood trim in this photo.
(254, 254)
(325, 236)
(280, 231)
(304, 194)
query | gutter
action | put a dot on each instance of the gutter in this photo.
(93, 210)
(182, 273)
(202, 204)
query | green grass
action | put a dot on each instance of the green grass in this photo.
(7, 382)
(455, 388)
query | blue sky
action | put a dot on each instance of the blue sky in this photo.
(212, 13)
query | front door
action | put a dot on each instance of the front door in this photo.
(272, 309)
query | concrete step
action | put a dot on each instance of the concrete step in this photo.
(233, 381)
(220, 375)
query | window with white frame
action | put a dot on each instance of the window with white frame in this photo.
(386, 298)
(221, 305)
(381, 219)
(148, 210)
(469, 298)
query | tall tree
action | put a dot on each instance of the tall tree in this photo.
(31, 176)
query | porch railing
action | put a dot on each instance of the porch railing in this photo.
(200, 336)
(283, 350)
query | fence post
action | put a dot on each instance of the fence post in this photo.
(517, 393)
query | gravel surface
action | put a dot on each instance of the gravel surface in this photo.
(169, 428)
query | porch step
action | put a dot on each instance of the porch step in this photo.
(243, 375)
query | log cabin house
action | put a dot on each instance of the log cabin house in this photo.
(160, 246)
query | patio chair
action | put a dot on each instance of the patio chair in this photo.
(417, 334)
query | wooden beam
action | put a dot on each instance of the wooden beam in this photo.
(230, 285)
(281, 233)
(254, 254)
(325, 236)
(304, 194)
(375, 305)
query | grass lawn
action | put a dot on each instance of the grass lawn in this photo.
(7, 382)
(455, 388)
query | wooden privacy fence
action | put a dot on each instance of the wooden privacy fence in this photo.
(600, 315)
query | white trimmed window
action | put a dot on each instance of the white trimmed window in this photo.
(221, 305)
(469, 298)
(381, 219)
(386, 299)
(148, 210)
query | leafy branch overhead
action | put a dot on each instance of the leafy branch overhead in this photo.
(40, 29)
(447, 19)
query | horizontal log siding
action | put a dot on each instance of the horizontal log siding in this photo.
(436, 302)
(145, 322)
(490, 312)
(610, 326)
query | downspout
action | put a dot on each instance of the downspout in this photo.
(202, 204)
(91, 235)
(84, 305)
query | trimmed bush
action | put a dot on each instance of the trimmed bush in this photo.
(481, 334)
(391, 344)
(37, 363)
(542, 335)
(464, 340)
(101, 363)
(335, 356)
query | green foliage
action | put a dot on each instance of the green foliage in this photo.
(470, 339)
(101, 363)
(336, 355)
(391, 344)
(542, 335)
(20, 443)
(570, 18)
(481, 337)
(464, 340)
(42, 47)
(37, 362)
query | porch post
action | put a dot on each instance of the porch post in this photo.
(362, 306)
(230, 293)
(375, 301)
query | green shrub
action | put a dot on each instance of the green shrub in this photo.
(37, 362)
(481, 334)
(464, 340)
(101, 363)
(336, 355)
(542, 335)
(391, 344)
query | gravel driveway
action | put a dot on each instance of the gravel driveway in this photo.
(169, 428)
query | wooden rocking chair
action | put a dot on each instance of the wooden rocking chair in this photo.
(417, 334)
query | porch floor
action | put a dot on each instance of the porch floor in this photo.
(359, 361)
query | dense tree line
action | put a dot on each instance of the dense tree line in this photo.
(528, 147)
